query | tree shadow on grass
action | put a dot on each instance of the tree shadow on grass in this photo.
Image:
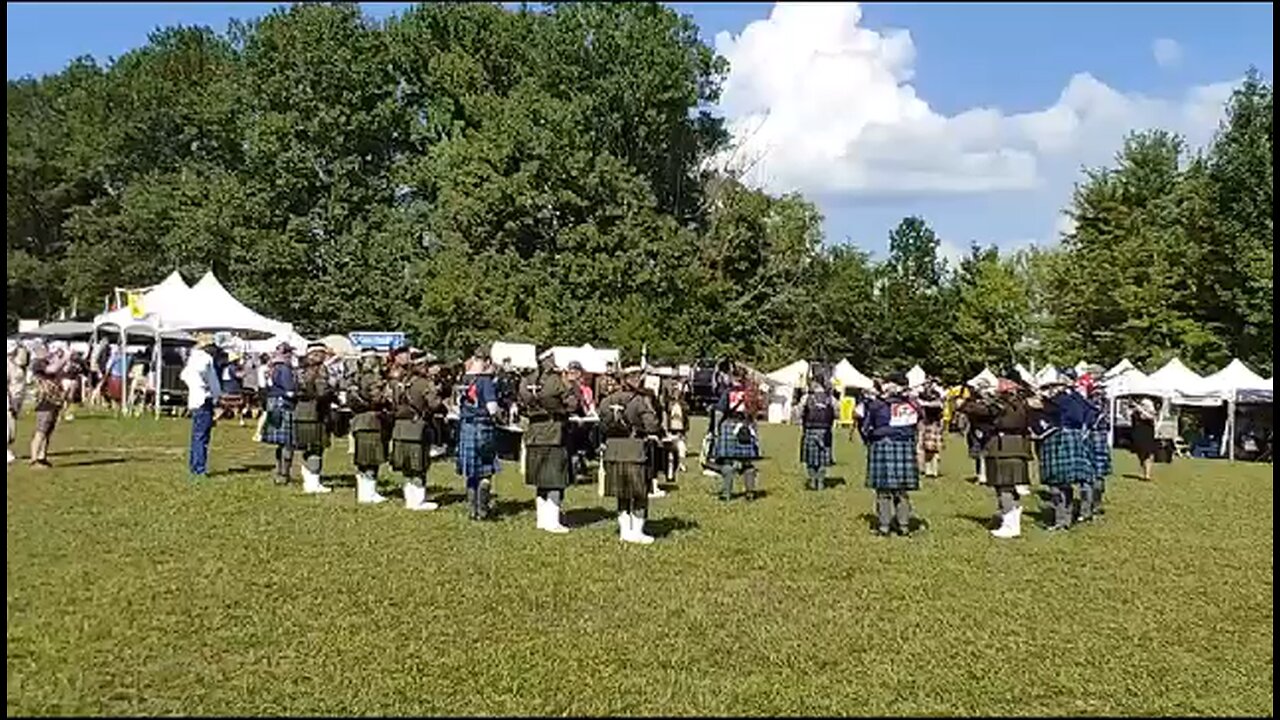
(582, 517)
(243, 469)
(662, 527)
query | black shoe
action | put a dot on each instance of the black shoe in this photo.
(880, 532)
(751, 496)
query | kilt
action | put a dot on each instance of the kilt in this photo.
(891, 465)
(815, 448)
(1007, 472)
(310, 435)
(547, 467)
(371, 449)
(477, 455)
(278, 429)
(626, 481)
(1066, 457)
(729, 447)
(931, 437)
(233, 402)
(1101, 453)
(409, 457)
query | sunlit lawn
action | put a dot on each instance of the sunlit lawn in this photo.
(132, 591)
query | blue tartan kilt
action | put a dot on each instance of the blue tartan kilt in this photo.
(729, 447)
(477, 455)
(278, 429)
(1066, 457)
(815, 448)
(891, 464)
(1101, 453)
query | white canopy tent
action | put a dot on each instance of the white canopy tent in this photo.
(593, 360)
(986, 377)
(269, 345)
(1183, 385)
(794, 375)
(916, 376)
(157, 306)
(209, 307)
(1229, 382)
(1047, 374)
(1024, 374)
(524, 356)
(849, 377)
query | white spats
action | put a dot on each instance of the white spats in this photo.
(549, 516)
(1010, 525)
(415, 498)
(367, 490)
(311, 483)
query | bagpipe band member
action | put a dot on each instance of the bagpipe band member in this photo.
(277, 422)
(931, 434)
(889, 430)
(548, 400)
(477, 456)
(629, 423)
(737, 443)
(311, 415)
(1007, 449)
(369, 398)
(1100, 442)
(1066, 457)
(415, 400)
(817, 417)
(651, 386)
(677, 427)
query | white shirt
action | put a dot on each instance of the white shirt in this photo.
(201, 379)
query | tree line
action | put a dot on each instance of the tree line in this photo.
(466, 172)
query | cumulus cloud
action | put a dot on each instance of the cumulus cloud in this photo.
(1167, 52)
(819, 104)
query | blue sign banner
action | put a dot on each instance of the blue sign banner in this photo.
(377, 340)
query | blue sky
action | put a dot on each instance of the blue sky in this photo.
(1135, 65)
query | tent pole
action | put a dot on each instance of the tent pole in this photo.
(155, 372)
(1231, 430)
(124, 373)
(1111, 422)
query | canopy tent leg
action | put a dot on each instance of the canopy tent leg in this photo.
(1229, 432)
(124, 374)
(1111, 425)
(155, 373)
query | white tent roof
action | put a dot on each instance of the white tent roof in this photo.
(794, 375)
(269, 345)
(1234, 377)
(848, 376)
(210, 307)
(593, 360)
(1121, 367)
(523, 355)
(986, 377)
(158, 306)
(916, 376)
(1180, 379)
(1047, 374)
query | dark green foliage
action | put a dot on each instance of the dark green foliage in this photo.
(465, 171)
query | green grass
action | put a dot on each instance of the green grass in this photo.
(132, 591)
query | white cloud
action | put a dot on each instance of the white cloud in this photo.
(1167, 52)
(819, 104)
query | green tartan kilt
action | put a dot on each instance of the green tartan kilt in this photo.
(410, 451)
(371, 449)
(310, 435)
(547, 467)
(1007, 472)
(626, 481)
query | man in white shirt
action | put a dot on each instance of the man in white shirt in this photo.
(203, 391)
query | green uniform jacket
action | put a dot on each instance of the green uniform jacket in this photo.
(548, 403)
(1010, 419)
(313, 395)
(638, 413)
(367, 398)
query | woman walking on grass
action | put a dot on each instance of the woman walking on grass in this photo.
(1143, 439)
(47, 369)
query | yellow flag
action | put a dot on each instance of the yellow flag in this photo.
(135, 305)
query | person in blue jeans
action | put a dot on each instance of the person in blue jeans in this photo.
(203, 392)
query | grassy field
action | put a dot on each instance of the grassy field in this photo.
(132, 591)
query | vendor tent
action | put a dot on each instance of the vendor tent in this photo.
(1119, 368)
(1237, 383)
(916, 376)
(1047, 375)
(1024, 374)
(849, 377)
(986, 377)
(593, 360)
(1183, 385)
(209, 307)
(523, 356)
(795, 375)
(268, 345)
